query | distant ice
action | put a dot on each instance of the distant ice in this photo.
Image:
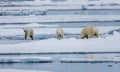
(58, 18)
(92, 59)
(34, 25)
(68, 4)
(25, 60)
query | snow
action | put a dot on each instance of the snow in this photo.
(15, 70)
(90, 60)
(82, 58)
(29, 25)
(69, 4)
(108, 44)
(58, 18)
(25, 60)
(41, 2)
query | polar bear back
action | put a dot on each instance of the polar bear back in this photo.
(89, 32)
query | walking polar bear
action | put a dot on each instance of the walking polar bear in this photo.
(28, 33)
(59, 33)
(89, 32)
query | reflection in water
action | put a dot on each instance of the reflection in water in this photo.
(57, 66)
(65, 67)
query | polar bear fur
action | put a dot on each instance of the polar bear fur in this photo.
(28, 33)
(89, 32)
(59, 33)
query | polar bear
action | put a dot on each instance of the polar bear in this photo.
(89, 32)
(28, 33)
(59, 33)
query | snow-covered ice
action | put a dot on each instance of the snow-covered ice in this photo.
(33, 25)
(69, 4)
(25, 59)
(58, 18)
(64, 58)
(108, 44)
(91, 59)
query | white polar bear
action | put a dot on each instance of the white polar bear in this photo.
(89, 32)
(59, 33)
(28, 33)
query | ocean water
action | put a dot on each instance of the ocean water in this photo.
(57, 66)
(65, 67)
(84, 12)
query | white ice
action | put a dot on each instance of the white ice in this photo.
(69, 4)
(108, 44)
(36, 59)
(57, 18)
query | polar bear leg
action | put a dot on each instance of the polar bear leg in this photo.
(31, 37)
(58, 36)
